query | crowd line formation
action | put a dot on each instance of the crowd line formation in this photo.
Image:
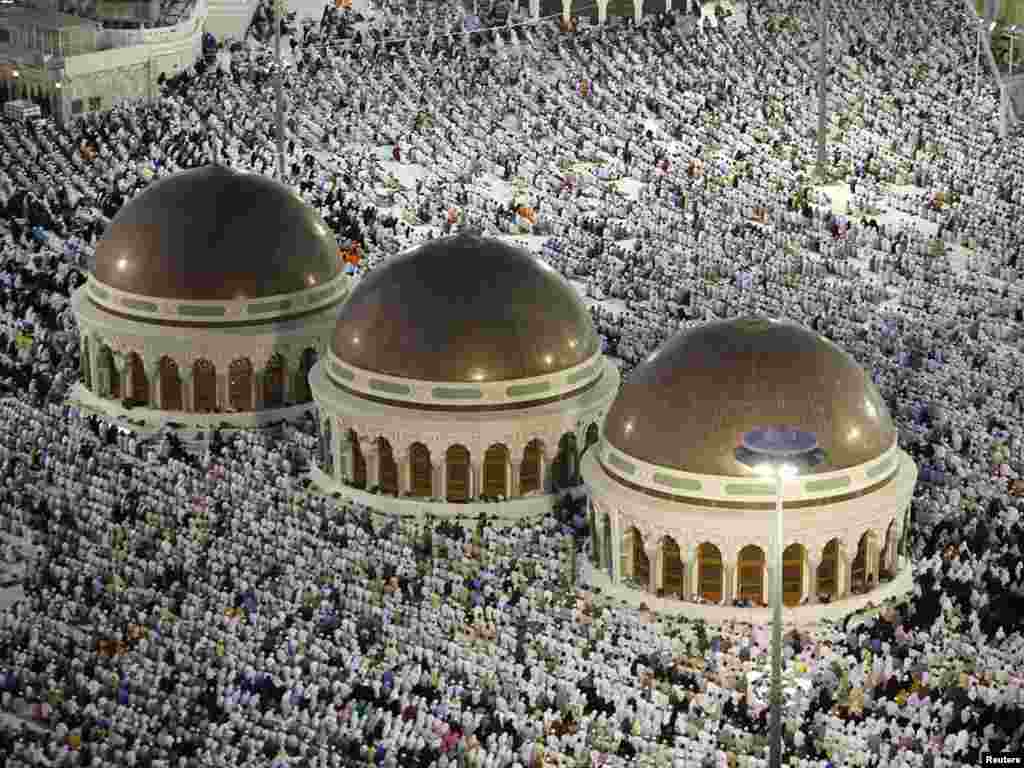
(209, 608)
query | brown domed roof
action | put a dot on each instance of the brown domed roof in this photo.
(689, 405)
(213, 234)
(464, 308)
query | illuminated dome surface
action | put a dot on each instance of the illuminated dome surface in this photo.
(691, 404)
(213, 234)
(464, 308)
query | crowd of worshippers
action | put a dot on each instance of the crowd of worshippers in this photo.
(210, 609)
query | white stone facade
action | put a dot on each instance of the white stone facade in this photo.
(131, 349)
(702, 543)
(457, 452)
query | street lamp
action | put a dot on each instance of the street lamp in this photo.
(783, 453)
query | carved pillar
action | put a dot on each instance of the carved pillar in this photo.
(811, 581)
(342, 468)
(728, 582)
(511, 480)
(152, 367)
(692, 574)
(404, 474)
(566, 10)
(602, 11)
(372, 456)
(616, 549)
(257, 389)
(442, 479)
(188, 394)
(222, 387)
(545, 472)
(638, 10)
(476, 477)
(535, 9)
(844, 573)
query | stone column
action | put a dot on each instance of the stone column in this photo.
(728, 582)
(566, 10)
(257, 390)
(188, 399)
(152, 367)
(290, 368)
(222, 390)
(616, 549)
(511, 480)
(766, 583)
(692, 575)
(602, 11)
(95, 345)
(545, 474)
(656, 559)
(340, 462)
(811, 581)
(534, 9)
(844, 575)
(476, 479)
(442, 485)
(404, 474)
(638, 10)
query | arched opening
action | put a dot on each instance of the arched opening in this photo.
(358, 478)
(793, 574)
(420, 482)
(709, 572)
(387, 472)
(673, 577)
(495, 471)
(204, 382)
(636, 564)
(828, 570)
(750, 570)
(564, 470)
(273, 382)
(170, 385)
(861, 571)
(306, 363)
(137, 375)
(886, 555)
(240, 384)
(83, 363)
(593, 435)
(456, 461)
(109, 372)
(530, 468)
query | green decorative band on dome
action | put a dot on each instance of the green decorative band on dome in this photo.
(342, 373)
(522, 390)
(457, 393)
(317, 296)
(269, 306)
(142, 306)
(749, 489)
(201, 310)
(685, 483)
(582, 375)
(392, 387)
(880, 467)
(97, 291)
(832, 484)
(621, 463)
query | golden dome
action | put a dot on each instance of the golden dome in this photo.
(464, 308)
(690, 404)
(213, 234)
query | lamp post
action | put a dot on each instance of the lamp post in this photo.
(783, 453)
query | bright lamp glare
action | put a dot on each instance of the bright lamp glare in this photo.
(766, 470)
(787, 471)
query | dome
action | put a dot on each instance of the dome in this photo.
(690, 404)
(464, 308)
(213, 234)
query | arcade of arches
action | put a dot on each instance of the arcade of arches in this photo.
(199, 387)
(455, 473)
(666, 568)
